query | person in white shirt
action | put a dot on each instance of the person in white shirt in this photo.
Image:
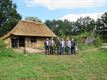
(47, 45)
(52, 43)
(62, 49)
(68, 46)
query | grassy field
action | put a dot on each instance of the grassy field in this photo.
(87, 65)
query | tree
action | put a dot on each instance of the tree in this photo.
(85, 24)
(102, 22)
(8, 16)
(32, 18)
(57, 26)
(102, 25)
(52, 25)
(67, 28)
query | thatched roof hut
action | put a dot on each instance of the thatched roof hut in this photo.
(25, 31)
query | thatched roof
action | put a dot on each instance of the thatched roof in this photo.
(29, 28)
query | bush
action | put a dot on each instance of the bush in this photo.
(98, 41)
(2, 45)
(6, 52)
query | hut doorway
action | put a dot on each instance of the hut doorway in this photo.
(21, 41)
(14, 42)
(18, 42)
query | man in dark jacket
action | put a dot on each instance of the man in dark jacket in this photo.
(73, 44)
(58, 45)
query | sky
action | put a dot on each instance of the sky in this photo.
(61, 9)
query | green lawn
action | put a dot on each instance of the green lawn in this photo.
(87, 65)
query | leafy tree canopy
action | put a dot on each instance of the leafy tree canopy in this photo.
(67, 28)
(8, 16)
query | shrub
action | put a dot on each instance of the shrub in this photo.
(6, 52)
(2, 45)
(98, 41)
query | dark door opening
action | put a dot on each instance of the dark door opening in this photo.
(21, 41)
(14, 42)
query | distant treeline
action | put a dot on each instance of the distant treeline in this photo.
(82, 25)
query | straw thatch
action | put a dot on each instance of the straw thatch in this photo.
(29, 28)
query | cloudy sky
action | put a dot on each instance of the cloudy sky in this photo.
(61, 9)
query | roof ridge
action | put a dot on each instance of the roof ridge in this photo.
(28, 21)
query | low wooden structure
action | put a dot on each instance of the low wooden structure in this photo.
(28, 34)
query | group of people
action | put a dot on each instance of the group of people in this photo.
(60, 46)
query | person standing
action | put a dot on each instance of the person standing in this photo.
(58, 45)
(62, 48)
(52, 43)
(47, 46)
(68, 46)
(73, 44)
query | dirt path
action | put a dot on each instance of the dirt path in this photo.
(29, 50)
(104, 45)
(88, 50)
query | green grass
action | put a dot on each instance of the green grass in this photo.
(87, 65)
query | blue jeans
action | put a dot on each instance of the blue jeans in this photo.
(47, 50)
(73, 50)
(68, 50)
(62, 49)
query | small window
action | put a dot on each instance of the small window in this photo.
(33, 39)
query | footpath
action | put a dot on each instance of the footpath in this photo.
(104, 45)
